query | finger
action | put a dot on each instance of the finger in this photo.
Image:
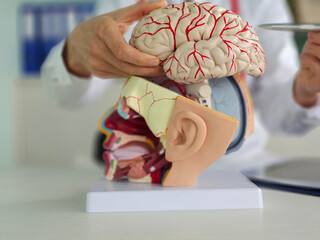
(311, 62)
(313, 49)
(95, 61)
(314, 37)
(157, 74)
(102, 69)
(140, 71)
(130, 68)
(105, 74)
(137, 11)
(109, 73)
(125, 52)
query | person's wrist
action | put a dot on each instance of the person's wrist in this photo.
(72, 63)
(302, 96)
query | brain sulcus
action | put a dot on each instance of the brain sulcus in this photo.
(197, 41)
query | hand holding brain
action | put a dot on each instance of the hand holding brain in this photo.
(197, 41)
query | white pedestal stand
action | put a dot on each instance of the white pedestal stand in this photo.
(214, 190)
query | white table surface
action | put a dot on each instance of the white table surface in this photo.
(49, 203)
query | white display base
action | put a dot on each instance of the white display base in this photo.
(213, 190)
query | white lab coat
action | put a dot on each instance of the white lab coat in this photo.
(274, 106)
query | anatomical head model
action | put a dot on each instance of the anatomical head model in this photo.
(170, 130)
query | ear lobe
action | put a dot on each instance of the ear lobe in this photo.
(186, 135)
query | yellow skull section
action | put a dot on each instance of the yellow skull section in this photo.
(153, 102)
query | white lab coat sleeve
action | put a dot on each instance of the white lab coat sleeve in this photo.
(68, 90)
(72, 92)
(272, 92)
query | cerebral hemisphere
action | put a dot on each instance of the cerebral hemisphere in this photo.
(197, 41)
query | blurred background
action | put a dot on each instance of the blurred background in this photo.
(33, 129)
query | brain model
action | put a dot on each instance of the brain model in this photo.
(198, 41)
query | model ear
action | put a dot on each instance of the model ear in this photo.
(186, 134)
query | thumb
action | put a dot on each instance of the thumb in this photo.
(137, 11)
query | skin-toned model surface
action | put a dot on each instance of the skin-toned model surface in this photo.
(196, 138)
(165, 131)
